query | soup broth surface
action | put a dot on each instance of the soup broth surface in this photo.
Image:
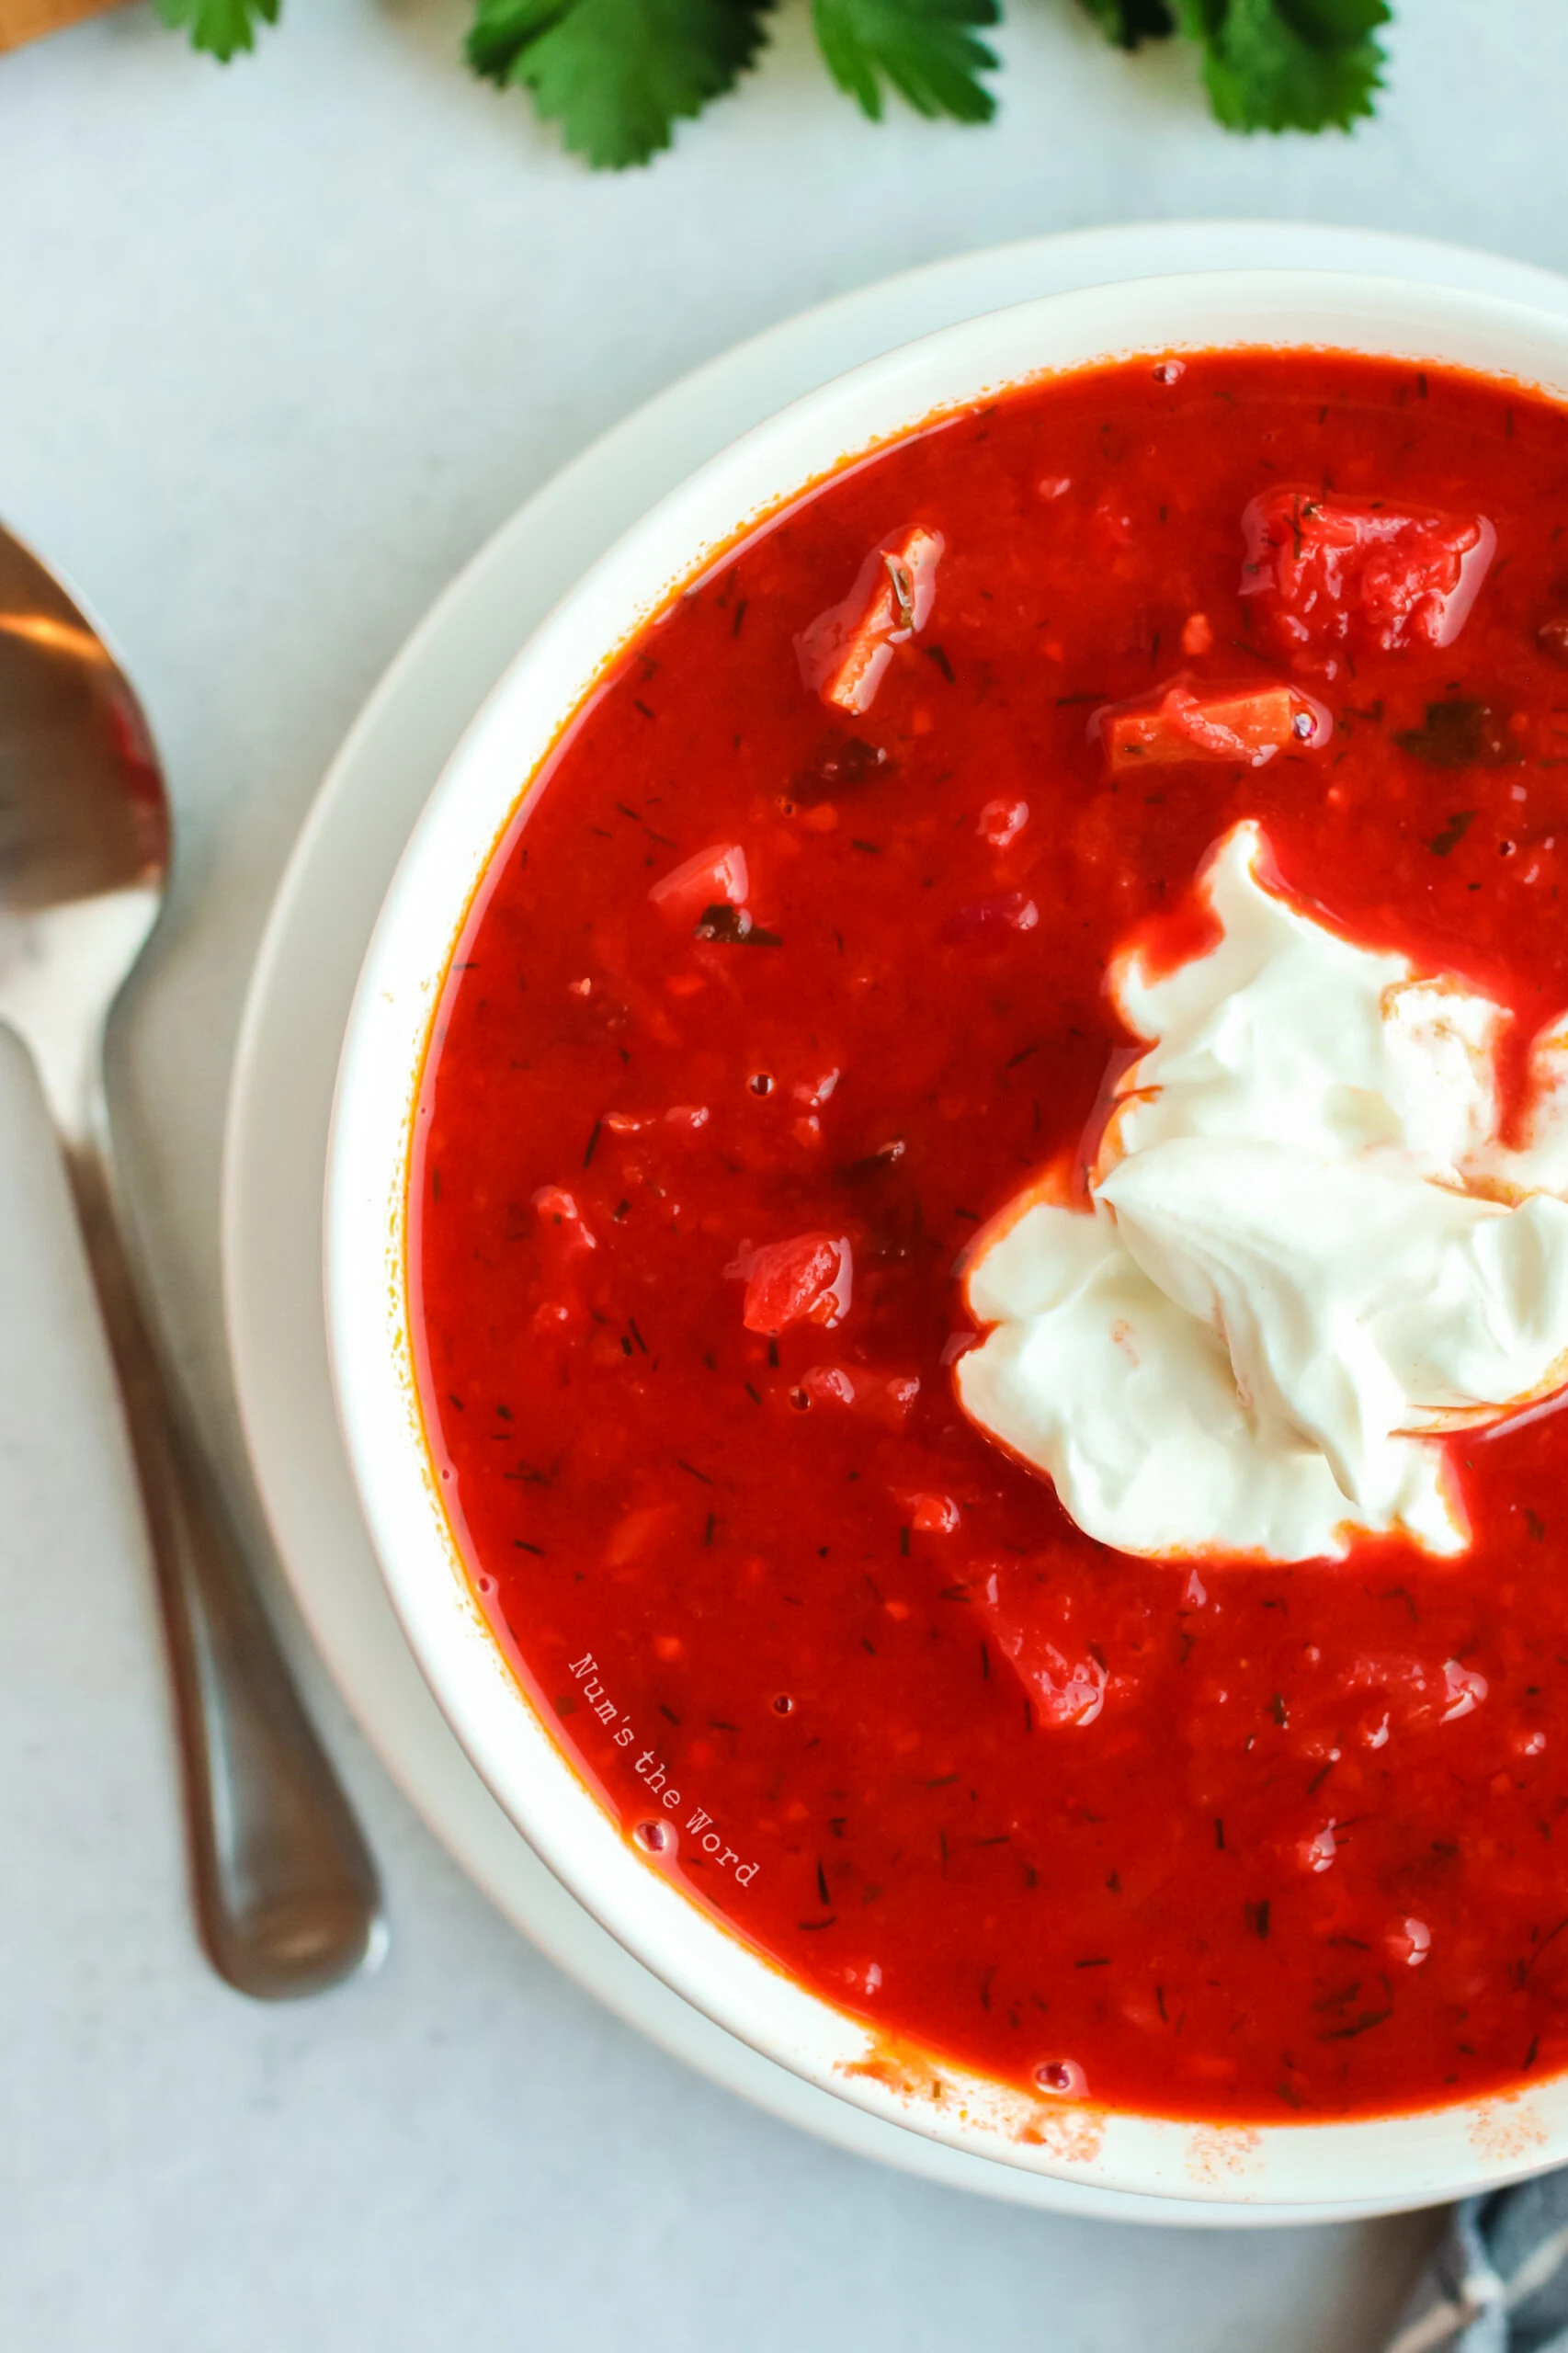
(768, 1591)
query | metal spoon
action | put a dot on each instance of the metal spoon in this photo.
(285, 1890)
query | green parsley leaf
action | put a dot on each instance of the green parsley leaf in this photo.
(925, 48)
(1288, 64)
(616, 74)
(221, 28)
(1128, 23)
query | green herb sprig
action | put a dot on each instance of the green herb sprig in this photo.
(617, 75)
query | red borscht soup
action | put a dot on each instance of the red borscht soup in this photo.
(786, 978)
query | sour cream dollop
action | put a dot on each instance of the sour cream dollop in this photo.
(1305, 1252)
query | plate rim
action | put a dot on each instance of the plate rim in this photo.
(873, 310)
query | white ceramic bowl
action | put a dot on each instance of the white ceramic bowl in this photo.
(1418, 2158)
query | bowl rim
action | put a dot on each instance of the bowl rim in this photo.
(1428, 2154)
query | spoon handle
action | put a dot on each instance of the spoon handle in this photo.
(285, 1893)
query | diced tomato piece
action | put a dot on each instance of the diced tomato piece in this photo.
(846, 651)
(885, 1398)
(1408, 1941)
(995, 919)
(565, 1245)
(804, 1281)
(1000, 822)
(636, 1532)
(1041, 1626)
(932, 1515)
(1337, 571)
(1067, 1691)
(1065, 1683)
(814, 1090)
(717, 875)
(561, 1222)
(684, 1119)
(1402, 1694)
(1248, 724)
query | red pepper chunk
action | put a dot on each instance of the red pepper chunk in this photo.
(717, 875)
(885, 1398)
(846, 651)
(804, 1281)
(1248, 724)
(1338, 571)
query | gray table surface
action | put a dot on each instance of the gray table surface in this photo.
(277, 347)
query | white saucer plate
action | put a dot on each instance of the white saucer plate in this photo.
(287, 1058)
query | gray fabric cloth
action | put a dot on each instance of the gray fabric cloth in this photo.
(1498, 2281)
